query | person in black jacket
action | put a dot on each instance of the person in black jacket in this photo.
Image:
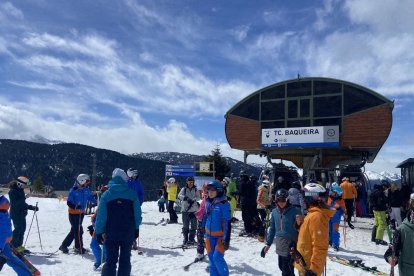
(18, 210)
(247, 190)
(395, 203)
(379, 202)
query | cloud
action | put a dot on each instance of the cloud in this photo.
(240, 32)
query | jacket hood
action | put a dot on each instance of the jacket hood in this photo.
(328, 213)
(408, 224)
(117, 184)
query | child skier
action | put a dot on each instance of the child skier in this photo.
(284, 223)
(18, 211)
(402, 249)
(217, 222)
(200, 227)
(314, 231)
(161, 204)
(335, 202)
(100, 256)
(6, 255)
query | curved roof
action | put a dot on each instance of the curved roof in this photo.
(364, 117)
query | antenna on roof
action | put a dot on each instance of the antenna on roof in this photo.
(298, 77)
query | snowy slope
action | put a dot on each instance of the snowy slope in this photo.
(243, 257)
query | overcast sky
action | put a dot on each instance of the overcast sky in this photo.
(147, 76)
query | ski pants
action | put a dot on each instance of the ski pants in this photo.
(97, 252)
(19, 224)
(248, 213)
(161, 208)
(115, 250)
(215, 252)
(334, 236)
(380, 222)
(74, 234)
(349, 204)
(286, 265)
(200, 237)
(361, 209)
(396, 215)
(189, 219)
(14, 262)
(173, 214)
(233, 204)
(262, 228)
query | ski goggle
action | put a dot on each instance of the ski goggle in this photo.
(211, 188)
(281, 199)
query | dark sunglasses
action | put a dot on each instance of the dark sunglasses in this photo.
(281, 199)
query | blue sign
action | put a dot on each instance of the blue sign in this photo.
(179, 170)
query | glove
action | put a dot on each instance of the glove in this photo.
(310, 273)
(33, 208)
(226, 245)
(91, 230)
(78, 207)
(136, 234)
(100, 238)
(263, 252)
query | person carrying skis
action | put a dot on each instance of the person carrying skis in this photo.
(135, 184)
(18, 211)
(6, 255)
(78, 197)
(314, 231)
(117, 224)
(379, 201)
(172, 189)
(335, 202)
(100, 256)
(263, 203)
(189, 197)
(402, 249)
(284, 223)
(349, 194)
(217, 222)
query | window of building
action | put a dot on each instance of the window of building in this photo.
(298, 123)
(304, 108)
(326, 87)
(273, 110)
(327, 106)
(299, 88)
(292, 108)
(277, 92)
(357, 100)
(248, 109)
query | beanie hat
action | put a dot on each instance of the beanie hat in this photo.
(121, 173)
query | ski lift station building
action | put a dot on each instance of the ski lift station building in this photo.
(313, 122)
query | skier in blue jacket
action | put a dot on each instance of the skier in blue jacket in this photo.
(117, 224)
(6, 255)
(217, 222)
(135, 184)
(78, 197)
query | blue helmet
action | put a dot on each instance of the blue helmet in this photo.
(337, 190)
(216, 185)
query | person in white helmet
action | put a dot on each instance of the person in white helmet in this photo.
(78, 196)
(172, 190)
(18, 210)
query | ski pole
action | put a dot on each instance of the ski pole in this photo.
(344, 232)
(79, 234)
(38, 231)
(30, 227)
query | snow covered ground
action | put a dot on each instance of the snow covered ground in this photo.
(243, 257)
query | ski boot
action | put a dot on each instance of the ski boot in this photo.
(381, 242)
(64, 249)
(199, 257)
(80, 250)
(336, 247)
(374, 234)
(351, 225)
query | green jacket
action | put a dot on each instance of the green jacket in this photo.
(406, 260)
(231, 189)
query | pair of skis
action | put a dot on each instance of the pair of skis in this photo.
(358, 263)
(183, 247)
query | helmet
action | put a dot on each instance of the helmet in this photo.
(412, 197)
(121, 173)
(227, 179)
(334, 184)
(242, 173)
(190, 178)
(282, 193)
(171, 180)
(280, 179)
(131, 172)
(266, 182)
(215, 185)
(205, 185)
(265, 176)
(345, 179)
(314, 192)
(83, 179)
(337, 190)
(23, 180)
